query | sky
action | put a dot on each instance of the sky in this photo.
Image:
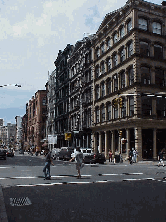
(32, 33)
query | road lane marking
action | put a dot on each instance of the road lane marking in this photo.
(4, 167)
(78, 182)
(3, 178)
(130, 179)
(110, 174)
(23, 177)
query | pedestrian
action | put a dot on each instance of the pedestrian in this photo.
(134, 156)
(48, 162)
(110, 155)
(117, 156)
(130, 156)
(79, 161)
(161, 158)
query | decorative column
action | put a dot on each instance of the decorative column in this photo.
(100, 143)
(154, 145)
(113, 141)
(106, 143)
(138, 142)
(128, 142)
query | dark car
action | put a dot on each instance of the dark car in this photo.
(21, 151)
(98, 158)
(65, 153)
(89, 159)
(3, 153)
(10, 153)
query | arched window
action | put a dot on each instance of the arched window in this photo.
(144, 48)
(108, 64)
(97, 114)
(102, 113)
(122, 32)
(122, 78)
(122, 54)
(102, 67)
(97, 96)
(102, 89)
(97, 71)
(109, 111)
(129, 26)
(129, 49)
(156, 28)
(143, 24)
(115, 59)
(108, 86)
(145, 75)
(115, 38)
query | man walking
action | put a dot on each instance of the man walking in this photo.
(134, 156)
(79, 159)
(161, 158)
(48, 162)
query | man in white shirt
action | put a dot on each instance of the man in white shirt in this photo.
(79, 159)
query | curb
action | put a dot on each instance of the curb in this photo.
(3, 215)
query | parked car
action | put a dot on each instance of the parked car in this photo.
(65, 153)
(10, 153)
(21, 151)
(86, 151)
(99, 158)
(89, 159)
(3, 153)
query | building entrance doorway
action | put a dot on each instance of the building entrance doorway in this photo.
(160, 140)
(147, 143)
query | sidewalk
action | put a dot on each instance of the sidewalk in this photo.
(150, 162)
(3, 215)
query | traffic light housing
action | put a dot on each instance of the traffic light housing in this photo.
(121, 102)
(120, 133)
(115, 103)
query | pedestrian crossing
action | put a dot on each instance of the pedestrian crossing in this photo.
(85, 179)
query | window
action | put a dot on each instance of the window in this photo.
(97, 92)
(109, 87)
(102, 89)
(108, 43)
(122, 32)
(115, 83)
(129, 26)
(158, 52)
(145, 75)
(115, 60)
(144, 48)
(122, 79)
(161, 107)
(130, 49)
(108, 64)
(97, 53)
(97, 72)
(131, 76)
(156, 26)
(122, 55)
(109, 111)
(115, 38)
(102, 113)
(160, 79)
(131, 106)
(44, 101)
(123, 108)
(97, 115)
(143, 24)
(146, 106)
(115, 112)
(102, 48)
(102, 68)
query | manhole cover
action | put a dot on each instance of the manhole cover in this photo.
(20, 201)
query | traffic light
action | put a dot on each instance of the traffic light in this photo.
(120, 133)
(121, 102)
(115, 103)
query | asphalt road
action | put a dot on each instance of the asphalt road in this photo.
(118, 201)
(108, 192)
